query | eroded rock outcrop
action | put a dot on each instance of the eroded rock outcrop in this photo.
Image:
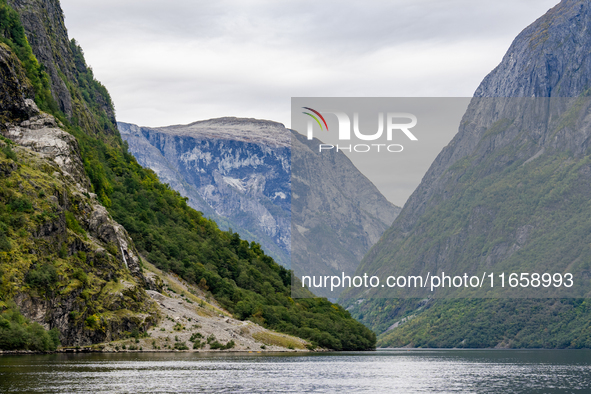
(73, 267)
(15, 96)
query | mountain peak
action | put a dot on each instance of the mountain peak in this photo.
(508, 194)
(549, 58)
(249, 130)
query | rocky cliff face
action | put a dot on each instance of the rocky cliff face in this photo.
(549, 58)
(43, 21)
(506, 193)
(15, 97)
(238, 172)
(234, 170)
(93, 289)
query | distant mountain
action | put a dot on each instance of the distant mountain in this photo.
(511, 193)
(235, 171)
(238, 172)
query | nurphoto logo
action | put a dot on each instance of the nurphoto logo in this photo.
(396, 122)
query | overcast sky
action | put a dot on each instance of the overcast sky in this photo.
(180, 61)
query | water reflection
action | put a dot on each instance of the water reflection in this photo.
(439, 371)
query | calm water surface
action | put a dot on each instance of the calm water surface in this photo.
(386, 371)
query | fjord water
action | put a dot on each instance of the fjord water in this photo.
(382, 371)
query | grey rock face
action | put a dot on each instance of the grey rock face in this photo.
(43, 21)
(235, 171)
(239, 173)
(530, 111)
(42, 135)
(549, 58)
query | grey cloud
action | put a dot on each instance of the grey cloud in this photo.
(184, 60)
(331, 25)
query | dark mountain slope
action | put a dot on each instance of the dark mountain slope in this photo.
(510, 193)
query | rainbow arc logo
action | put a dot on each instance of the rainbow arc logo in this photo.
(315, 118)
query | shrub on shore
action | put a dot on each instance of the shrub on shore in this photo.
(16, 333)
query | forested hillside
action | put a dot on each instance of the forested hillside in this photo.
(164, 229)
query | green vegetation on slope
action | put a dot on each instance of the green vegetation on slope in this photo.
(13, 34)
(18, 333)
(486, 207)
(46, 255)
(477, 323)
(240, 276)
(549, 194)
(47, 261)
(175, 237)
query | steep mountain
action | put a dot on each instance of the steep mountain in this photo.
(510, 193)
(64, 261)
(235, 171)
(238, 172)
(75, 92)
(77, 211)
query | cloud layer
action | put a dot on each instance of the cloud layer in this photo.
(180, 61)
